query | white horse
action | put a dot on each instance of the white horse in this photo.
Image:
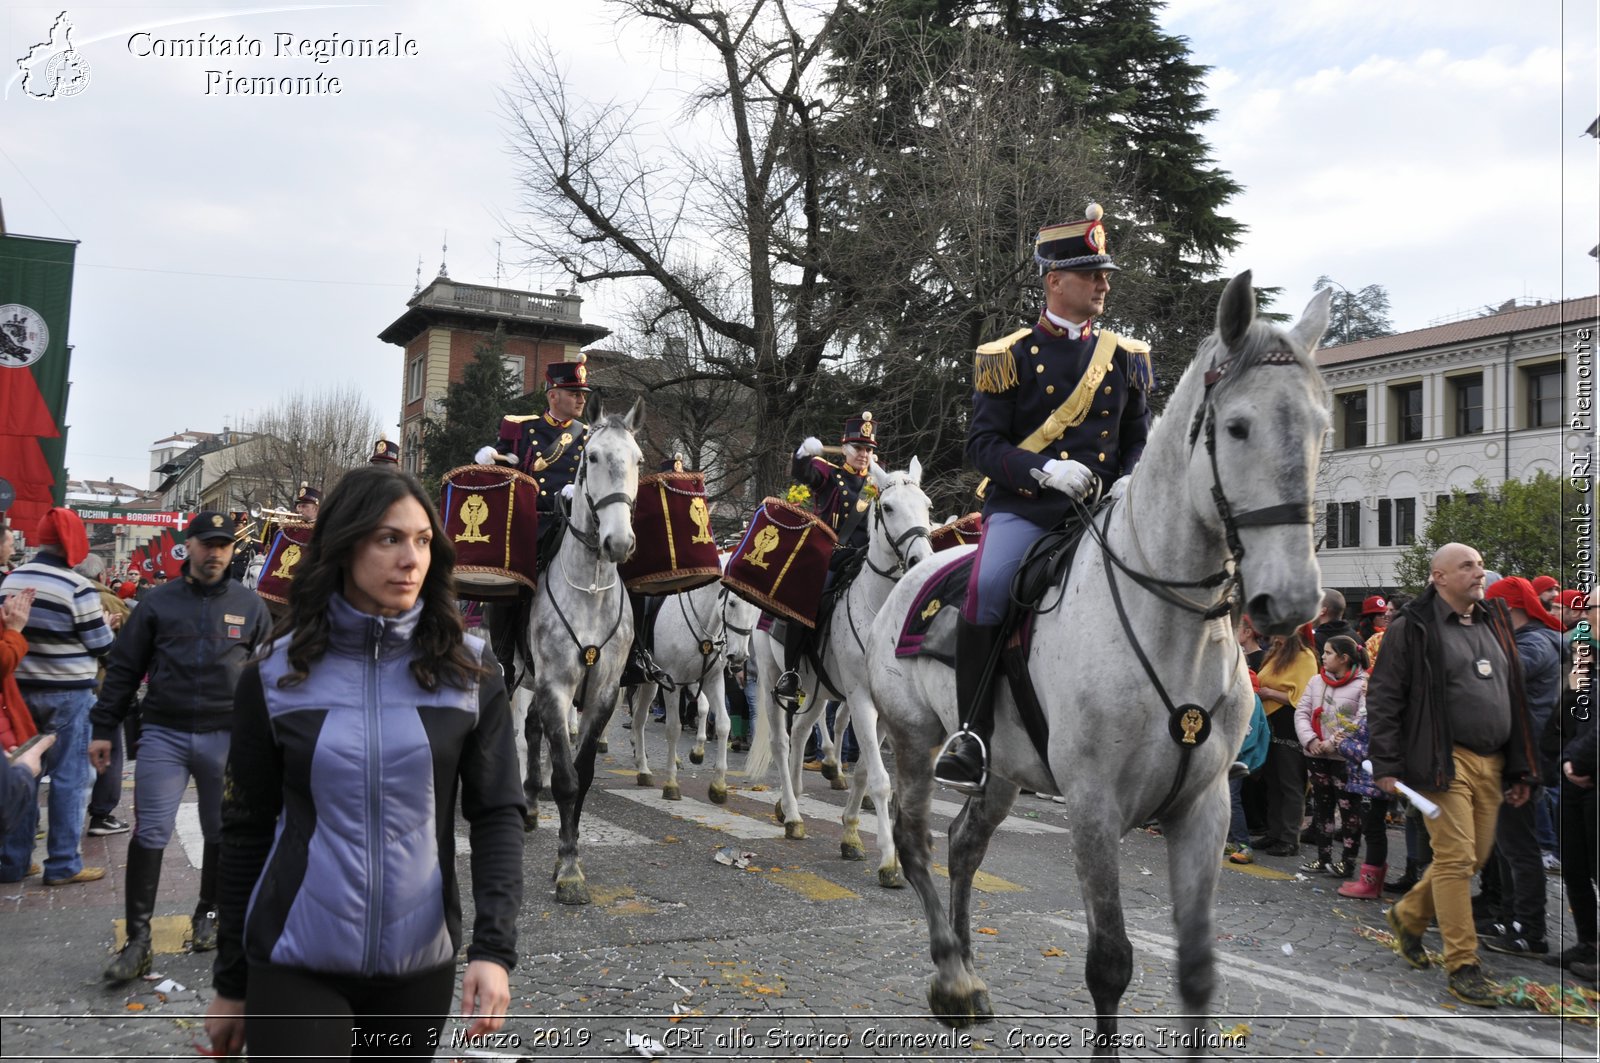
(1130, 657)
(698, 635)
(575, 632)
(252, 571)
(898, 539)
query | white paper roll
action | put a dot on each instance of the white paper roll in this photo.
(1426, 807)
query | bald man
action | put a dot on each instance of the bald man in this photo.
(1448, 716)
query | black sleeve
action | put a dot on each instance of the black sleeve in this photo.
(126, 664)
(252, 797)
(493, 803)
(1388, 694)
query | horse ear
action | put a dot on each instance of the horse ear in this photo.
(635, 418)
(915, 469)
(1236, 309)
(1313, 320)
(880, 475)
(597, 408)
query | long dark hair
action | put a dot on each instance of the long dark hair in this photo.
(1282, 652)
(351, 512)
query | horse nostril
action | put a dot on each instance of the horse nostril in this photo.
(1260, 609)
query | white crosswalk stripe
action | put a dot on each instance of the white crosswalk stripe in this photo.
(704, 813)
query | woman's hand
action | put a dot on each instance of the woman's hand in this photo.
(14, 614)
(485, 995)
(225, 1026)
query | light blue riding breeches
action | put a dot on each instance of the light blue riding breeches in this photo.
(1006, 538)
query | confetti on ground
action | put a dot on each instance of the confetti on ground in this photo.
(987, 930)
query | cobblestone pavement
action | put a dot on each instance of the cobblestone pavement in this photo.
(801, 955)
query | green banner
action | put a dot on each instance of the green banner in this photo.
(35, 312)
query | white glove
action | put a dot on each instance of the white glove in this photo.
(566, 492)
(812, 447)
(1119, 487)
(1069, 477)
(485, 456)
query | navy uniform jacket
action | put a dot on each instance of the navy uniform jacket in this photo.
(1048, 364)
(540, 435)
(835, 490)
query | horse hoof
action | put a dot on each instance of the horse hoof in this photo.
(777, 811)
(602, 746)
(830, 772)
(839, 782)
(849, 851)
(644, 778)
(572, 891)
(672, 792)
(530, 821)
(890, 878)
(718, 794)
(795, 831)
(958, 1009)
(697, 756)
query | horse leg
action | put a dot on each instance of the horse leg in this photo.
(670, 790)
(953, 986)
(839, 780)
(828, 748)
(876, 778)
(697, 753)
(1108, 964)
(571, 888)
(1194, 837)
(642, 697)
(718, 790)
(533, 743)
(793, 774)
(969, 842)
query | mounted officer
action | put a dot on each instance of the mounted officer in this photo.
(840, 499)
(307, 502)
(547, 446)
(1060, 413)
(385, 452)
(244, 545)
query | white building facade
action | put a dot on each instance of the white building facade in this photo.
(1419, 414)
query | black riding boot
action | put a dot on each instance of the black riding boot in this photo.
(203, 935)
(144, 878)
(787, 690)
(963, 763)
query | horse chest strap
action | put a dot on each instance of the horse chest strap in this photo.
(591, 656)
(706, 646)
(1190, 725)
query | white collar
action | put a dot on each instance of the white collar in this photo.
(1073, 330)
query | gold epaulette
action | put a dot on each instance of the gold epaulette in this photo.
(994, 370)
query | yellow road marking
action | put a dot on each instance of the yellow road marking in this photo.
(167, 934)
(1257, 870)
(811, 886)
(984, 882)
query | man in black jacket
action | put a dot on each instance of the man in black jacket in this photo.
(1447, 715)
(192, 637)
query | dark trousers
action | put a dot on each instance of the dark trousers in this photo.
(1580, 844)
(317, 1016)
(1375, 828)
(1330, 801)
(1286, 779)
(1521, 868)
(106, 794)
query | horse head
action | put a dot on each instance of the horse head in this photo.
(1257, 412)
(607, 485)
(739, 619)
(900, 523)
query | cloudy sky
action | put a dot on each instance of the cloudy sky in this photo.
(235, 249)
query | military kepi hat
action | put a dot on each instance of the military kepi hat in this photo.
(209, 526)
(674, 463)
(1074, 245)
(308, 494)
(385, 452)
(862, 431)
(571, 376)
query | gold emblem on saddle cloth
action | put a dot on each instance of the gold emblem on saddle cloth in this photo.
(474, 511)
(700, 513)
(933, 607)
(766, 541)
(287, 561)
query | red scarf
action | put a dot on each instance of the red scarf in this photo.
(1332, 682)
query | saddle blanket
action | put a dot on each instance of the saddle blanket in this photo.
(930, 627)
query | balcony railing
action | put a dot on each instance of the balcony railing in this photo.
(447, 294)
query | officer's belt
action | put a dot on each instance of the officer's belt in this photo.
(1071, 413)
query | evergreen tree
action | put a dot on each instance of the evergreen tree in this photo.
(1516, 527)
(1358, 315)
(469, 415)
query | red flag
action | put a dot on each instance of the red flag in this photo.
(136, 562)
(158, 557)
(22, 409)
(172, 556)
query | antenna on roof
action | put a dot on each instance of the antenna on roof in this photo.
(497, 264)
(444, 249)
(418, 287)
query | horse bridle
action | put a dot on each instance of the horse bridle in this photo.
(895, 544)
(592, 539)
